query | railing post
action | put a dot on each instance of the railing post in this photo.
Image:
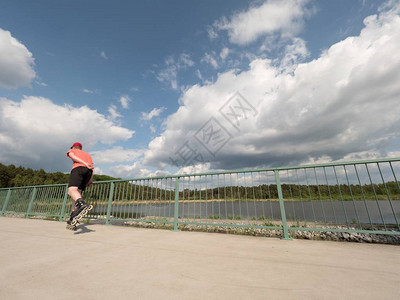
(176, 205)
(64, 204)
(110, 199)
(6, 202)
(31, 202)
(282, 207)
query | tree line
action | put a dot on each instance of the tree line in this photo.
(299, 192)
(12, 176)
(129, 191)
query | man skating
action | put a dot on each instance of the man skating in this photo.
(81, 177)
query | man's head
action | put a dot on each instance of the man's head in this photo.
(76, 146)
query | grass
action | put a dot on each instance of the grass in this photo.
(215, 217)
(234, 217)
(270, 224)
(298, 225)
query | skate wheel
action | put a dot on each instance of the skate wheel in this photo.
(71, 227)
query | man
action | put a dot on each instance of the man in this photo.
(80, 178)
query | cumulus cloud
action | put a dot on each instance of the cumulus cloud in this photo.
(115, 154)
(273, 16)
(195, 168)
(136, 170)
(36, 132)
(16, 62)
(342, 104)
(294, 53)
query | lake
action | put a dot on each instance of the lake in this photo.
(377, 212)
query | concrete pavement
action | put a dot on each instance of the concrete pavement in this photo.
(38, 260)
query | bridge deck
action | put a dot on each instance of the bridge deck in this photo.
(38, 261)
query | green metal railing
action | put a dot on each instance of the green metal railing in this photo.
(360, 197)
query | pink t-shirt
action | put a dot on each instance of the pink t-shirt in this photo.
(82, 155)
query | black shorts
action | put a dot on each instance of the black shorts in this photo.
(80, 177)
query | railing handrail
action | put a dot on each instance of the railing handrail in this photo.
(35, 186)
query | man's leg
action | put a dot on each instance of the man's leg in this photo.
(79, 207)
(75, 194)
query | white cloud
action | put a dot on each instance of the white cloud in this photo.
(343, 104)
(16, 62)
(198, 74)
(115, 154)
(271, 17)
(185, 61)
(40, 83)
(210, 59)
(135, 170)
(197, 168)
(124, 100)
(103, 55)
(294, 54)
(98, 171)
(155, 112)
(224, 53)
(87, 91)
(169, 73)
(114, 114)
(28, 138)
(212, 34)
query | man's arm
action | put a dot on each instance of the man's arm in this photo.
(77, 159)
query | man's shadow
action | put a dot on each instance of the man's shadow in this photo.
(83, 228)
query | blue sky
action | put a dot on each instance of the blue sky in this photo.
(159, 87)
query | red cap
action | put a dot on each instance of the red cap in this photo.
(76, 145)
